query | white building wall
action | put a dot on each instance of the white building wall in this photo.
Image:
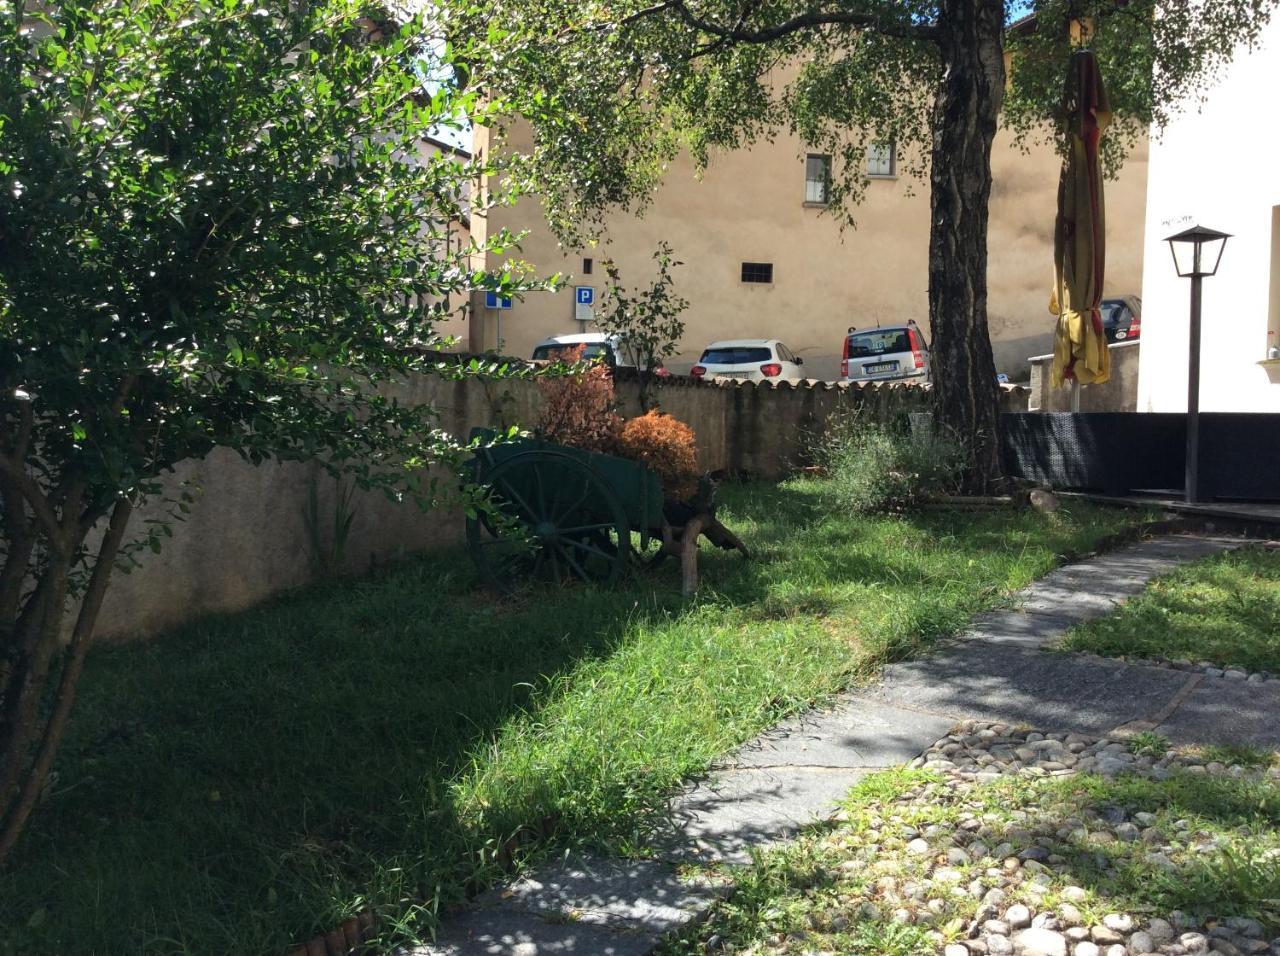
(1218, 166)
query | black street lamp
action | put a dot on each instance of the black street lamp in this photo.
(1196, 254)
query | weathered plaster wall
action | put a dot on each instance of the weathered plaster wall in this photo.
(246, 538)
(1119, 394)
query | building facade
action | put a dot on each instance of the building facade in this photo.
(764, 258)
(1241, 304)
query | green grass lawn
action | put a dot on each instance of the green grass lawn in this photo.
(251, 779)
(841, 887)
(1224, 609)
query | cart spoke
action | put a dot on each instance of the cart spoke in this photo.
(576, 566)
(542, 492)
(516, 497)
(577, 543)
(586, 527)
(573, 508)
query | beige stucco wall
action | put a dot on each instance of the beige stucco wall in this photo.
(749, 207)
(1189, 185)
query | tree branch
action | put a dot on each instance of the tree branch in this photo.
(29, 489)
(805, 21)
(738, 33)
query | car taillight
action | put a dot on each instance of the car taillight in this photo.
(772, 370)
(844, 359)
(698, 371)
(1135, 327)
(915, 347)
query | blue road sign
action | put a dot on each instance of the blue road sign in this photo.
(586, 294)
(493, 301)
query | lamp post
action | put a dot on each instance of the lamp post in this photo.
(1196, 254)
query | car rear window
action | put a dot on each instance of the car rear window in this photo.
(591, 351)
(740, 355)
(1114, 311)
(878, 342)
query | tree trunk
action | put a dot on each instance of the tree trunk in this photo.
(30, 733)
(965, 115)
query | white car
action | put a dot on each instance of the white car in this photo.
(750, 360)
(595, 345)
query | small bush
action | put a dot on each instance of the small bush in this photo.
(1148, 743)
(877, 467)
(578, 403)
(666, 445)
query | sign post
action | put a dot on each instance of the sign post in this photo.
(497, 304)
(584, 301)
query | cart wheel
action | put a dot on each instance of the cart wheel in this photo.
(555, 519)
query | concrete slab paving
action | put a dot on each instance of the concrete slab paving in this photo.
(1221, 711)
(504, 931)
(998, 682)
(1093, 588)
(724, 817)
(635, 894)
(854, 734)
(796, 773)
(1018, 628)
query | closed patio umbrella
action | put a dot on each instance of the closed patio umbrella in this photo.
(1080, 354)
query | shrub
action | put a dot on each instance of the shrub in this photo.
(878, 467)
(577, 404)
(666, 445)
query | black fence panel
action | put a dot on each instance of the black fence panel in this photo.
(1119, 453)
(1240, 456)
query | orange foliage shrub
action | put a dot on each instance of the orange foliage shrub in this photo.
(667, 446)
(577, 408)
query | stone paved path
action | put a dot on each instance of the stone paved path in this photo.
(794, 773)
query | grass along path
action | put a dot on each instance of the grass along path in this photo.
(253, 779)
(1008, 840)
(1224, 610)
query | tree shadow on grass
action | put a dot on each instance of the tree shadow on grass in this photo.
(238, 784)
(251, 778)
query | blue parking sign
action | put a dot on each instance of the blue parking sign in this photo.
(494, 301)
(586, 294)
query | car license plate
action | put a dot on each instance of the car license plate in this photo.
(881, 367)
(732, 375)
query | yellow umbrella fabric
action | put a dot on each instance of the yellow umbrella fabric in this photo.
(1079, 247)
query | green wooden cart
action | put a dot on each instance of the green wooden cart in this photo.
(558, 513)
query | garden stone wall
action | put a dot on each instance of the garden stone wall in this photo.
(246, 539)
(765, 430)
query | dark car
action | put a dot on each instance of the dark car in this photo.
(1122, 318)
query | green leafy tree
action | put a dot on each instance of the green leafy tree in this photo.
(646, 322)
(613, 91)
(217, 229)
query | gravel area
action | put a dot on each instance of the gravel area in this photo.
(1025, 864)
(1000, 840)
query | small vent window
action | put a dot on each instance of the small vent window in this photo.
(587, 266)
(757, 272)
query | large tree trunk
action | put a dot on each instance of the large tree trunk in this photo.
(966, 112)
